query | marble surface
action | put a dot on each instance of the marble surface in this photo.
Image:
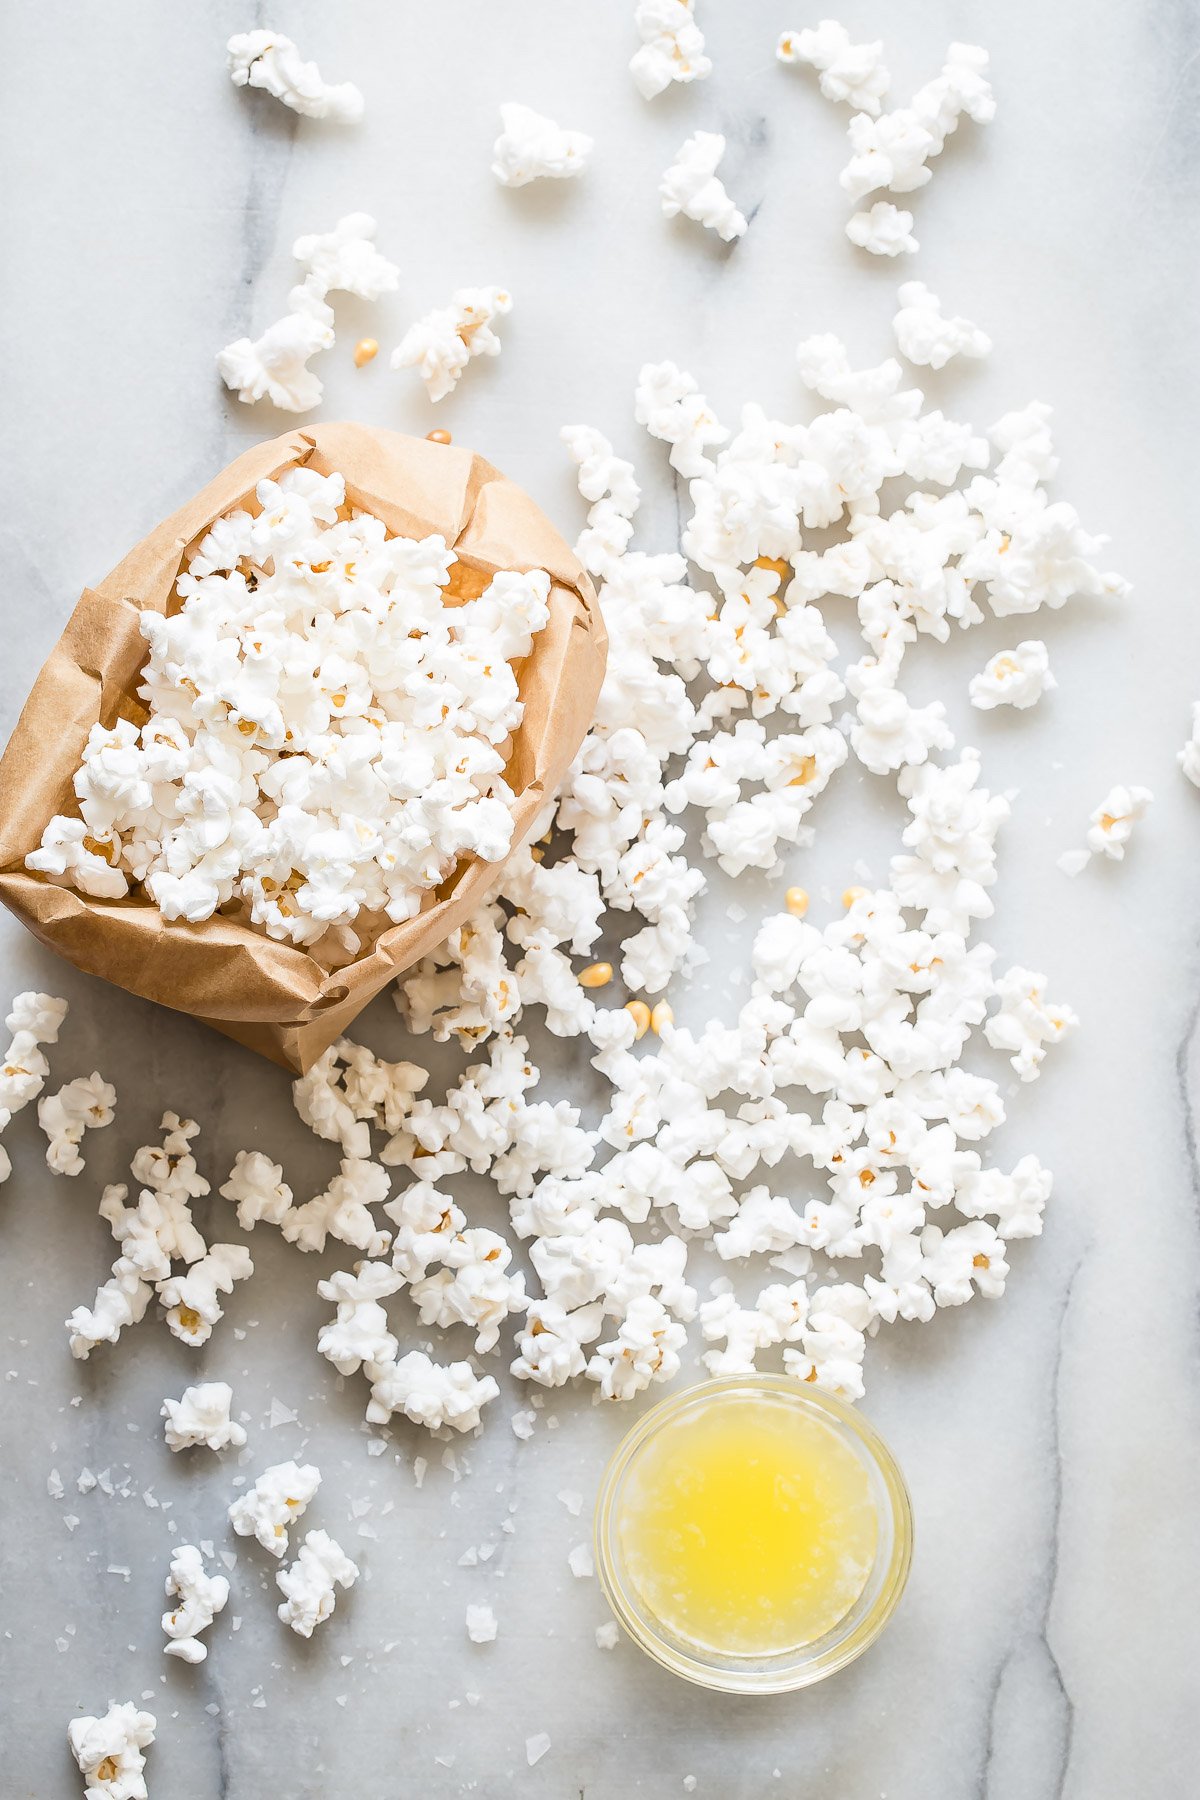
(1047, 1646)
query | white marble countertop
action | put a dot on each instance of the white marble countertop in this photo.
(1047, 1646)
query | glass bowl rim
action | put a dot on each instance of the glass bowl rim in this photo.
(804, 1667)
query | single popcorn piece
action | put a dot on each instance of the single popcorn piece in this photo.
(610, 486)
(191, 1300)
(429, 1393)
(531, 147)
(855, 73)
(309, 1585)
(275, 365)
(257, 1188)
(1025, 1023)
(360, 1333)
(1113, 821)
(884, 230)
(440, 345)
(82, 1105)
(343, 1211)
(109, 1751)
(893, 151)
(346, 259)
(672, 47)
(267, 59)
(274, 1503)
(926, 337)
(202, 1416)
(33, 1020)
(201, 1597)
(481, 1624)
(692, 186)
(1014, 677)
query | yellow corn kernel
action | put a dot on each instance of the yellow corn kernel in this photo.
(661, 1015)
(440, 436)
(851, 894)
(796, 901)
(639, 1012)
(365, 351)
(596, 975)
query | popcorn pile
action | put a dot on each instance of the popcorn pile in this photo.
(722, 703)
(326, 737)
(890, 150)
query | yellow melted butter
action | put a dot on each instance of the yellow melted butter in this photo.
(748, 1528)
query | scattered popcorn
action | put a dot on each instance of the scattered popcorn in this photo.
(309, 800)
(191, 1300)
(267, 59)
(429, 1393)
(927, 338)
(201, 1597)
(202, 1416)
(531, 147)
(1025, 1023)
(309, 1585)
(274, 1503)
(608, 483)
(346, 260)
(109, 1751)
(273, 366)
(257, 1188)
(360, 1332)
(1113, 821)
(854, 73)
(672, 47)
(883, 229)
(33, 1020)
(82, 1105)
(481, 1624)
(893, 150)
(441, 344)
(692, 186)
(1014, 677)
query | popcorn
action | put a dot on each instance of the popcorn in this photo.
(202, 1416)
(201, 1597)
(309, 1585)
(1014, 677)
(893, 151)
(343, 1210)
(318, 747)
(929, 339)
(672, 47)
(531, 147)
(645, 1349)
(854, 73)
(82, 1105)
(275, 1502)
(257, 1188)
(958, 1262)
(429, 1393)
(441, 344)
(346, 259)
(472, 1288)
(33, 1020)
(691, 186)
(671, 407)
(191, 1300)
(883, 229)
(267, 59)
(610, 486)
(1025, 1022)
(1113, 821)
(274, 365)
(109, 1751)
(360, 1333)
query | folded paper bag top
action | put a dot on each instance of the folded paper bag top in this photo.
(275, 997)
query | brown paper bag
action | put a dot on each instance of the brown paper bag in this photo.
(275, 997)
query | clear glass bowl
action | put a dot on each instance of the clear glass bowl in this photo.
(795, 1667)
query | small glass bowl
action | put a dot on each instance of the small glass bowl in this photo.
(791, 1668)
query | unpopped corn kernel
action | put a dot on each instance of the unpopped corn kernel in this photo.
(661, 1015)
(596, 975)
(851, 894)
(640, 1013)
(439, 436)
(365, 351)
(796, 901)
